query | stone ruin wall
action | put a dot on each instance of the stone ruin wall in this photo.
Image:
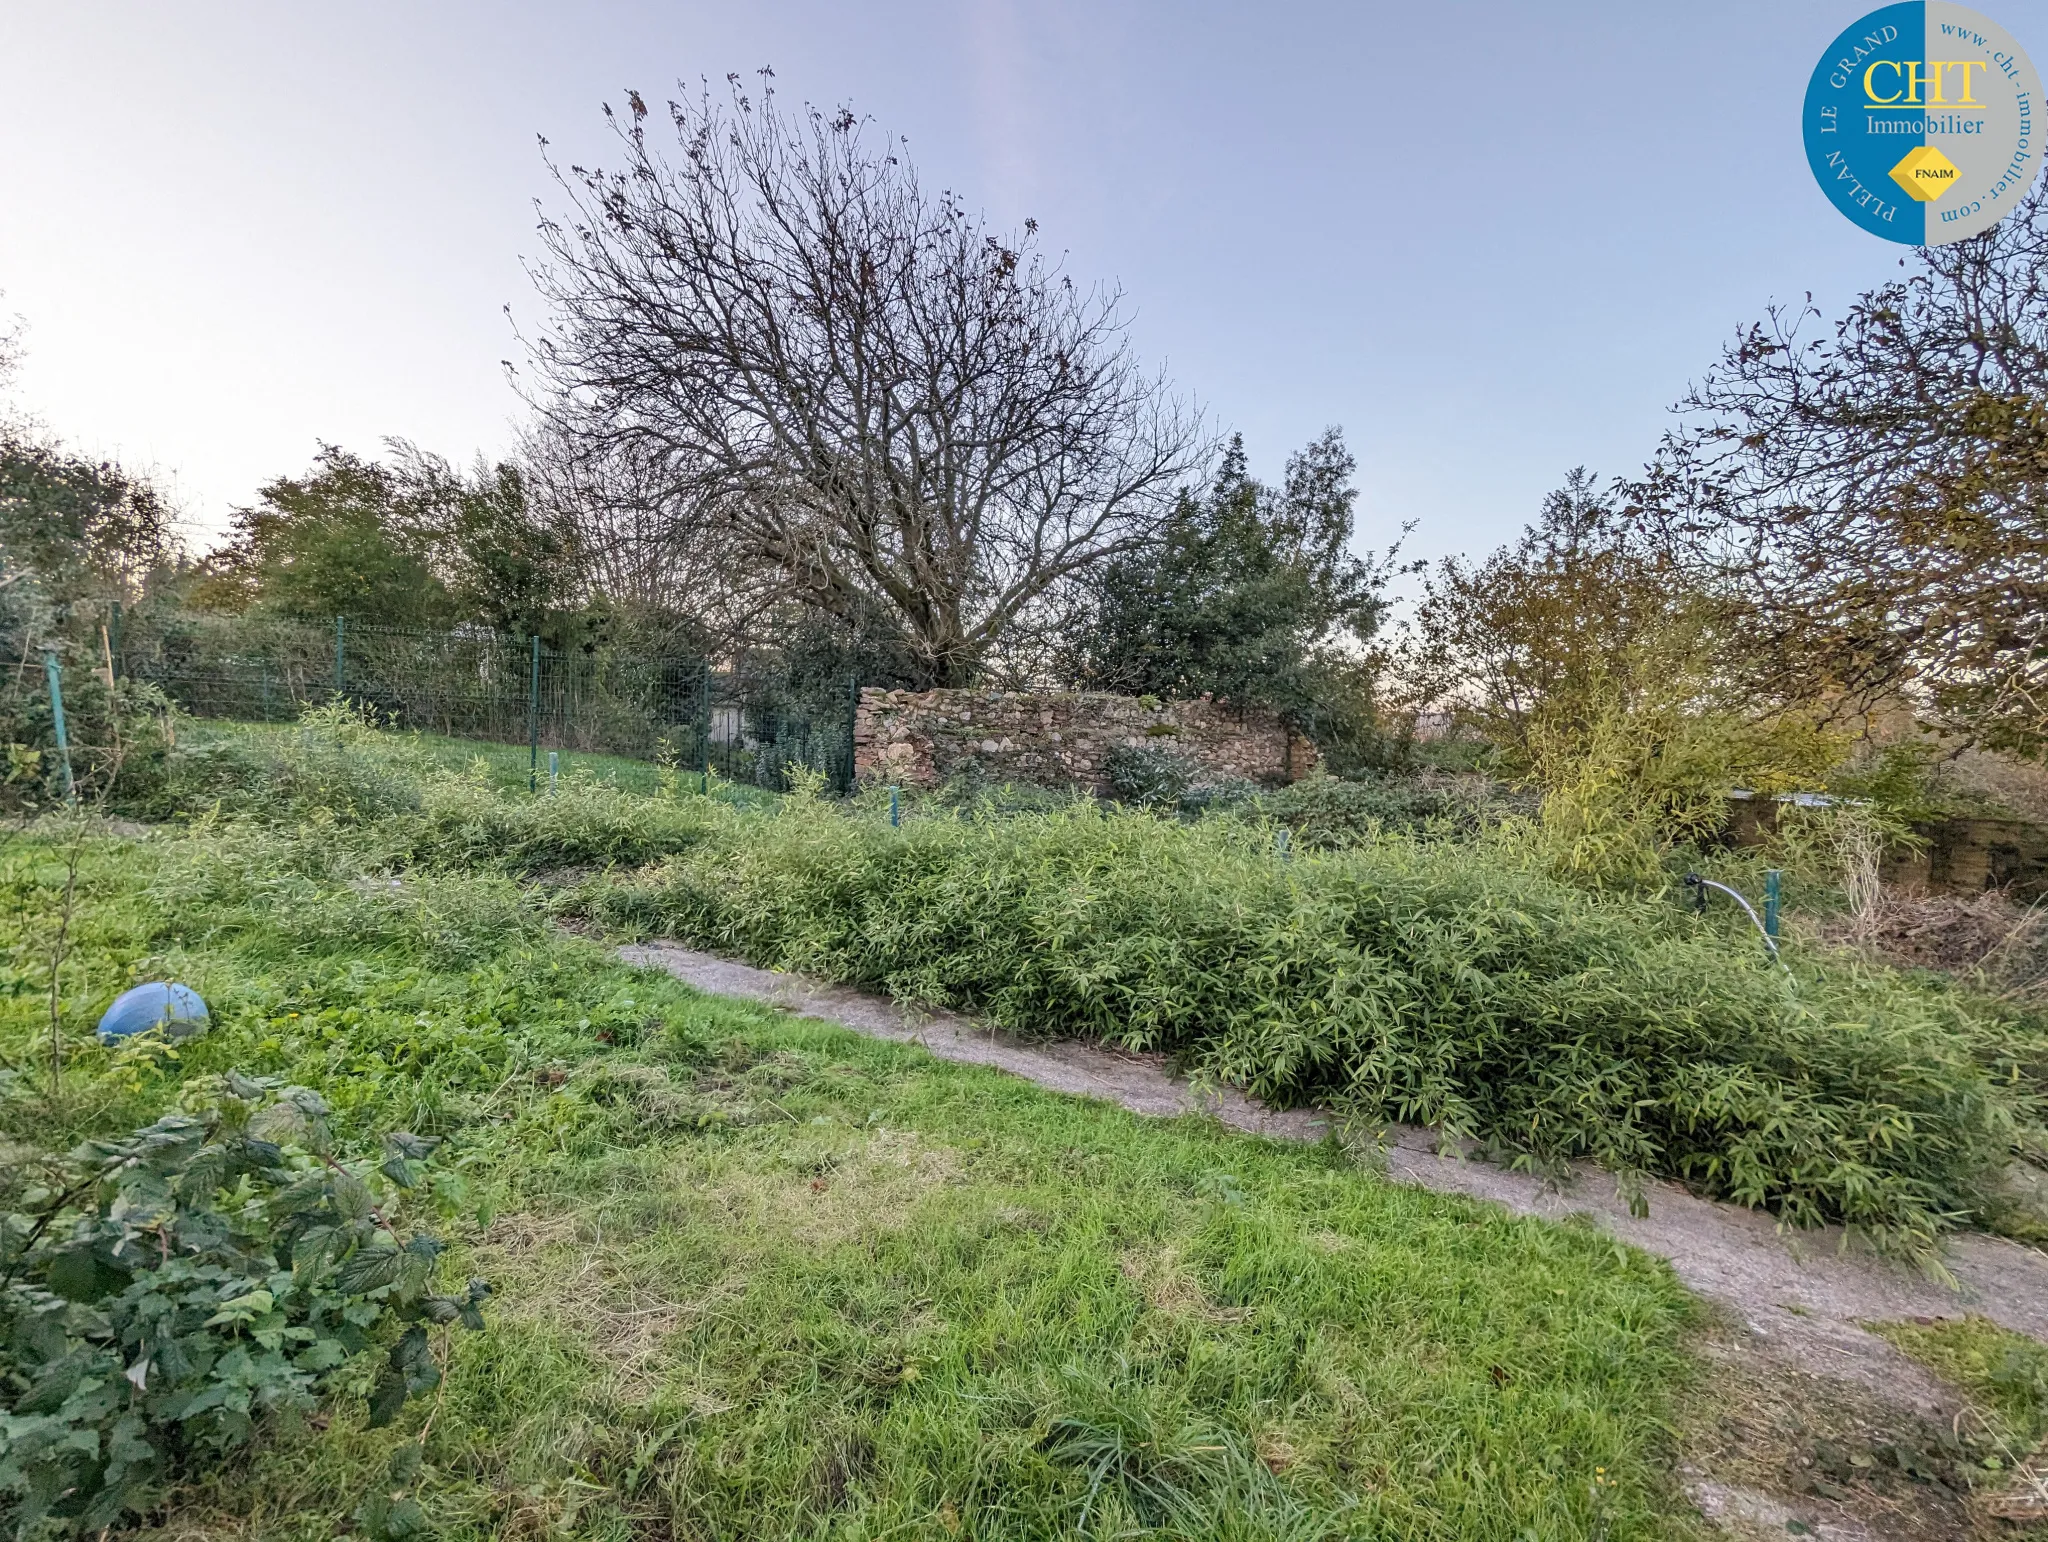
(1060, 738)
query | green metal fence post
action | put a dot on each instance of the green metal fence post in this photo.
(895, 818)
(1772, 896)
(53, 670)
(533, 721)
(114, 642)
(341, 655)
(554, 771)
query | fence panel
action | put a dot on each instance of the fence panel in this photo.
(729, 717)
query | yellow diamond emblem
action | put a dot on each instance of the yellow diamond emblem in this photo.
(1925, 173)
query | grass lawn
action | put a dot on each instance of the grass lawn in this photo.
(755, 1276)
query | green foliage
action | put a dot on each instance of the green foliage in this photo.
(1331, 813)
(120, 743)
(164, 1291)
(1454, 983)
(969, 790)
(408, 542)
(335, 765)
(82, 532)
(1628, 770)
(2005, 1374)
(502, 564)
(1900, 781)
(763, 1277)
(1617, 680)
(1448, 983)
(1325, 812)
(338, 541)
(403, 804)
(1554, 623)
(1247, 596)
(1157, 776)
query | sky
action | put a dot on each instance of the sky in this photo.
(1490, 241)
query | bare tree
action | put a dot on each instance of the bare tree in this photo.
(640, 547)
(853, 384)
(10, 350)
(1880, 489)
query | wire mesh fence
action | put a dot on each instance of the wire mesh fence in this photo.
(735, 717)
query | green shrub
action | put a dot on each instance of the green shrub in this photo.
(120, 743)
(1325, 812)
(1330, 814)
(161, 1292)
(1154, 775)
(1439, 983)
(1454, 983)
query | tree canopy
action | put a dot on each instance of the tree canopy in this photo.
(858, 386)
(1879, 489)
(337, 541)
(411, 541)
(1553, 620)
(1249, 593)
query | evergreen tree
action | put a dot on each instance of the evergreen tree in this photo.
(1251, 594)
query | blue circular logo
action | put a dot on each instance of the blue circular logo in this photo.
(1921, 123)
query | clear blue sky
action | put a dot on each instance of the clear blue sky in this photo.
(1492, 241)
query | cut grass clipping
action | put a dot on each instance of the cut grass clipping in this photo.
(758, 1277)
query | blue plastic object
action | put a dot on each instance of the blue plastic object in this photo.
(177, 1009)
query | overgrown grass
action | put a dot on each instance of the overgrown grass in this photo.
(758, 1277)
(506, 767)
(2004, 1374)
(1450, 983)
(1445, 984)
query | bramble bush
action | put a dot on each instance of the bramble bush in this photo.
(161, 1292)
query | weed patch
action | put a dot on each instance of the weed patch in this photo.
(757, 1276)
(2004, 1374)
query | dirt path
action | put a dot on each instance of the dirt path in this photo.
(1794, 1302)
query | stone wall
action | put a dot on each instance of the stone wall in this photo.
(1964, 855)
(1972, 854)
(1060, 738)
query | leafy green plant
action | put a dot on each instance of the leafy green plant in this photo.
(161, 1292)
(1626, 774)
(1446, 983)
(1331, 813)
(1902, 781)
(120, 742)
(1150, 774)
